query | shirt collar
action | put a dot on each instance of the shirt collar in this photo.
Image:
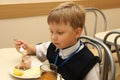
(64, 53)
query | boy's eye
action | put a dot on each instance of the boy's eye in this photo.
(51, 32)
(60, 33)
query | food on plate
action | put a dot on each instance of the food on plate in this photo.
(18, 72)
(48, 75)
(25, 63)
(33, 71)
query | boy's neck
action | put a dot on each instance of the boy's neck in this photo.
(69, 46)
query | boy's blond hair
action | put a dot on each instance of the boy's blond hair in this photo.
(68, 13)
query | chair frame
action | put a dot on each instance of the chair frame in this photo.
(117, 49)
(115, 42)
(95, 10)
(108, 58)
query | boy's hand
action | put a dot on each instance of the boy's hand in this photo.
(19, 44)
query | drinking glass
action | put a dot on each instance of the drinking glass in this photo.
(48, 72)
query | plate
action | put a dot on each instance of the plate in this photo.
(32, 73)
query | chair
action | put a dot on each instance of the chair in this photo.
(105, 56)
(97, 15)
(117, 47)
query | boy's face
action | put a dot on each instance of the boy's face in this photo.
(64, 36)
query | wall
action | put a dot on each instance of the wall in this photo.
(31, 29)
(25, 8)
(35, 29)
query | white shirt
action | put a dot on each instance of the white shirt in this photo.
(42, 50)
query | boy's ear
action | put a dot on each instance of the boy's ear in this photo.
(78, 32)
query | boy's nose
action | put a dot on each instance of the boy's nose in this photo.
(53, 37)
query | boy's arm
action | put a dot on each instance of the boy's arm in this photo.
(31, 50)
(93, 73)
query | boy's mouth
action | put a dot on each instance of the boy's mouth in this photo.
(56, 43)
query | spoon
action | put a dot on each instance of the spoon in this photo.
(21, 50)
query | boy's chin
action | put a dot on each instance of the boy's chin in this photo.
(58, 47)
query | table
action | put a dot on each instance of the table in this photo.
(8, 58)
(110, 39)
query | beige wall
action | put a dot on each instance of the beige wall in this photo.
(29, 1)
(26, 8)
(35, 29)
(31, 29)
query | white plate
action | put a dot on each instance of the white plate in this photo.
(32, 73)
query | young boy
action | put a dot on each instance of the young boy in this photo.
(72, 57)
